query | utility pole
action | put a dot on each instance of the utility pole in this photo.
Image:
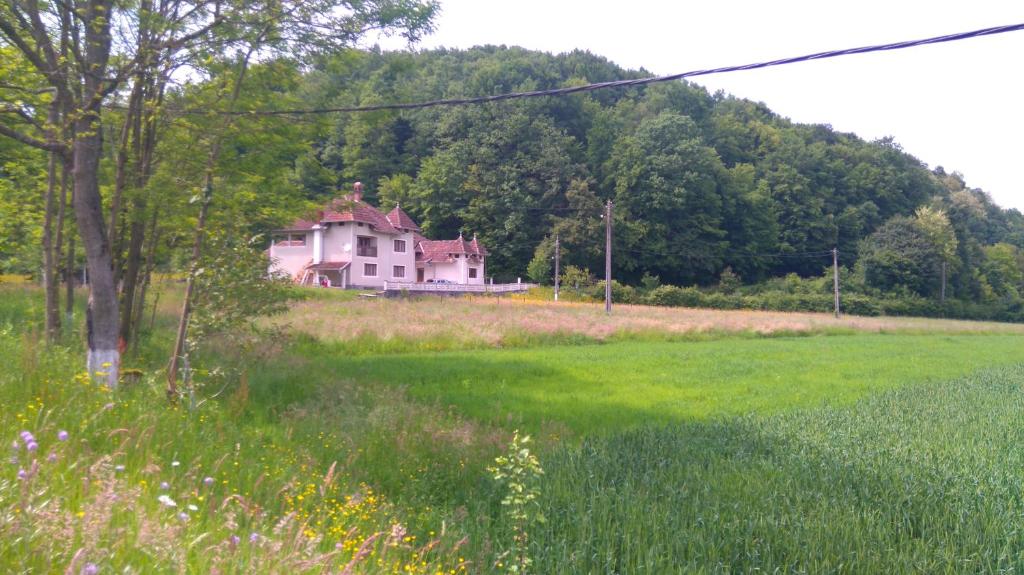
(557, 270)
(835, 278)
(608, 258)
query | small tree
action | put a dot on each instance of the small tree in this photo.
(577, 278)
(729, 281)
(519, 471)
(539, 268)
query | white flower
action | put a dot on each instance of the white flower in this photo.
(193, 508)
(175, 463)
(166, 501)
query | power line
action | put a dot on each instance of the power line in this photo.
(626, 83)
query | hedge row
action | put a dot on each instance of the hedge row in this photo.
(854, 304)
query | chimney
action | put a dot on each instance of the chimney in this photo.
(357, 192)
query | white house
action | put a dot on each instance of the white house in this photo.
(353, 244)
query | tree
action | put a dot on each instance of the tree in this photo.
(72, 45)
(936, 227)
(900, 255)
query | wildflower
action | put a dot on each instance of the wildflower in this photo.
(208, 481)
(183, 516)
(175, 463)
(22, 474)
(119, 468)
(62, 435)
(166, 501)
(32, 446)
(254, 537)
(15, 445)
(90, 569)
(164, 486)
(192, 507)
(235, 540)
(26, 436)
(52, 457)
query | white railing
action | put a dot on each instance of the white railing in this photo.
(456, 288)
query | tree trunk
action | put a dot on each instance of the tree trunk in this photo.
(140, 305)
(104, 357)
(51, 286)
(69, 265)
(197, 245)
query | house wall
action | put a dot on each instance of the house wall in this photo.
(455, 271)
(340, 241)
(291, 259)
(480, 271)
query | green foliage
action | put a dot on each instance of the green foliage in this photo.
(728, 281)
(518, 472)
(577, 279)
(234, 293)
(901, 255)
(540, 268)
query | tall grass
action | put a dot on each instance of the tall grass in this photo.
(917, 480)
(365, 327)
(253, 481)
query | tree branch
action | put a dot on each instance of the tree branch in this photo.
(34, 142)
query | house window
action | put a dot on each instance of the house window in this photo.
(366, 246)
(399, 272)
(296, 240)
(400, 246)
(370, 270)
(472, 273)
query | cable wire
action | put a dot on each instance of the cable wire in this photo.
(628, 83)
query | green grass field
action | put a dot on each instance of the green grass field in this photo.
(599, 389)
(824, 453)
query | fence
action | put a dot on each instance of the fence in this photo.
(416, 287)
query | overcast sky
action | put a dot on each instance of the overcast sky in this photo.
(958, 105)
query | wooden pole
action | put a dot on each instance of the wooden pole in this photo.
(835, 278)
(608, 258)
(557, 269)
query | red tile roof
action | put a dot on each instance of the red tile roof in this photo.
(329, 266)
(442, 250)
(349, 210)
(401, 220)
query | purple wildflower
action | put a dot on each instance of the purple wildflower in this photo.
(15, 445)
(26, 436)
(208, 481)
(254, 537)
(183, 516)
(235, 540)
(32, 446)
(164, 486)
(51, 458)
(62, 435)
(90, 569)
(22, 474)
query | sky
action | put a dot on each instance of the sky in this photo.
(958, 105)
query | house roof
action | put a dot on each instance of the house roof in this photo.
(442, 250)
(351, 210)
(329, 266)
(401, 220)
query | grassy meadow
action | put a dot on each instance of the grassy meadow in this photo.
(356, 440)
